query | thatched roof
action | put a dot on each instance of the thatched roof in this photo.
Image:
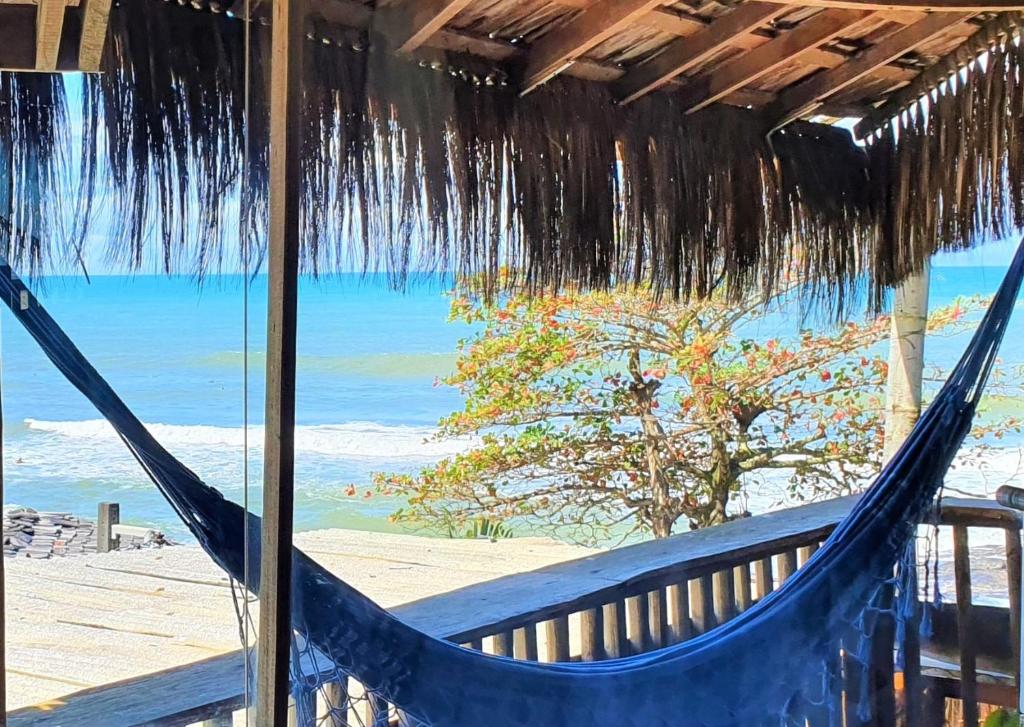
(577, 140)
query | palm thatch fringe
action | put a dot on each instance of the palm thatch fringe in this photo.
(948, 171)
(439, 166)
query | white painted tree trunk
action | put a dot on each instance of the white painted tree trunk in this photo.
(906, 359)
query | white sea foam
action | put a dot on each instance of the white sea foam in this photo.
(351, 440)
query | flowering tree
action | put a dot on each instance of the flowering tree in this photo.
(599, 410)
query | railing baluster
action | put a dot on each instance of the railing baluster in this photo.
(702, 608)
(965, 632)
(335, 697)
(725, 598)
(557, 633)
(220, 720)
(502, 643)
(741, 579)
(763, 577)
(524, 642)
(787, 565)
(639, 623)
(804, 554)
(1013, 582)
(679, 609)
(657, 618)
(302, 710)
(615, 640)
(883, 696)
(592, 634)
(477, 644)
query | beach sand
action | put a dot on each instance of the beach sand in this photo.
(78, 622)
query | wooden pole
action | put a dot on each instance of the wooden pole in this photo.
(3, 593)
(906, 360)
(274, 640)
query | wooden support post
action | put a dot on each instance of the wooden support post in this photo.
(108, 514)
(616, 643)
(906, 360)
(964, 627)
(275, 631)
(336, 703)
(3, 592)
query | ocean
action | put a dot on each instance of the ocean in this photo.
(367, 398)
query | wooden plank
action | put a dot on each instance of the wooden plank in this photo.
(965, 641)
(702, 606)
(410, 24)
(732, 75)
(804, 97)
(686, 53)
(557, 50)
(275, 631)
(657, 618)
(95, 19)
(49, 28)
(592, 634)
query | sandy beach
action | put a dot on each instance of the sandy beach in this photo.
(77, 622)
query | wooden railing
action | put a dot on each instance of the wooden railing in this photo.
(625, 601)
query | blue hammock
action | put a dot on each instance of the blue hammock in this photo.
(778, 663)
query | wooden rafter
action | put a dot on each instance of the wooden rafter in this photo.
(687, 53)
(714, 85)
(557, 50)
(948, 6)
(805, 96)
(94, 34)
(412, 22)
(49, 28)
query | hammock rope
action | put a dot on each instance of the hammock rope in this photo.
(781, 662)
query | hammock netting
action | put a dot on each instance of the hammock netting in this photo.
(785, 661)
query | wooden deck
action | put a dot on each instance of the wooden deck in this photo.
(627, 601)
(74, 623)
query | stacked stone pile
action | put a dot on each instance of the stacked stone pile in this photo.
(33, 534)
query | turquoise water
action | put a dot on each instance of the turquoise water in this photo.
(366, 398)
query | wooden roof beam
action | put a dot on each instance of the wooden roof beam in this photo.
(557, 50)
(412, 22)
(947, 6)
(49, 28)
(95, 18)
(807, 95)
(734, 74)
(686, 53)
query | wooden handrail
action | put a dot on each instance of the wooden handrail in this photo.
(712, 561)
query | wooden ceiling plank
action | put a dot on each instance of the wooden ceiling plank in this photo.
(95, 18)
(943, 6)
(412, 22)
(686, 53)
(805, 96)
(733, 75)
(557, 50)
(49, 28)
